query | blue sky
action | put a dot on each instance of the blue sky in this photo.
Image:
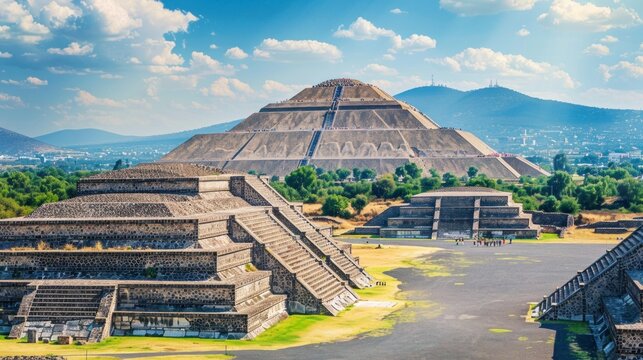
(150, 67)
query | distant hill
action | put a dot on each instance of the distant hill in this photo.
(90, 137)
(12, 143)
(478, 109)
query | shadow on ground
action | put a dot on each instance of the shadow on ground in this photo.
(573, 340)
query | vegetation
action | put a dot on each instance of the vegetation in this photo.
(21, 191)
(616, 187)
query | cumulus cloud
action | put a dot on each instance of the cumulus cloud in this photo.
(8, 101)
(397, 11)
(205, 64)
(236, 53)
(227, 87)
(73, 49)
(626, 69)
(523, 32)
(589, 16)
(15, 13)
(294, 49)
(484, 7)
(507, 65)
(213, 46)
(362, 29)
(60, 14)
(609, 39)
(4, 32)
(597, 49)
(5, 55)
(30, 81)
(379, 69)
(388, 57)
(85, 98)
(275, 86)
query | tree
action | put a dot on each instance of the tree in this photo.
(119, 165)
(412, 170)
(302, 178)
(342, 174)
(430, 183)
(450, 180)
(560, 162)
(560, 184)
(631, 191)
(368, 174)
(384, 187)
(335, 205)
(590, 196)
(400, 172)
(550, 204)
(359, 203)
(472, 172)
(569, 205)
(357, 174)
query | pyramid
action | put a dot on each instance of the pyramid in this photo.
(350, 124)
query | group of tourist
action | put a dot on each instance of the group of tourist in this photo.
(485, 242)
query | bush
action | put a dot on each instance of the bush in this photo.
(384, 187)
(569, 205)
(335, 205)
(359, 203)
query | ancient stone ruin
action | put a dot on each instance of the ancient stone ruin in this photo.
(609, 295)
(453, 213)
(346, 123)
(168, 250)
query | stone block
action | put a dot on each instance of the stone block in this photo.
(174, 333)
(139, 332)
(65, 339)
(117, 332)
(191, 333)
(32, 336)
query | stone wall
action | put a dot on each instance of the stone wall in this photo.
(176, 297)
(161, 185)
(561, 220)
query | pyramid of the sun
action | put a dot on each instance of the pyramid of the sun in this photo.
(346, 123)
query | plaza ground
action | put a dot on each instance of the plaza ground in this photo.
(454, 302)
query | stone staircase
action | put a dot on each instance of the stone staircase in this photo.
(309, 270)
(339, 260)
(589, 275)
(82, 311)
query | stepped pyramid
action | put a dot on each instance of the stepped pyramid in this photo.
(168, 250)
(346, 123)
(609, 295)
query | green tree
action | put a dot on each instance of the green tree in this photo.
(119, 165)
(590, 196)
(302, 178)
(335, 205)
(560, 162)
(631, 191)
(473, 171)
(560, 184)
(569, 205)
(550, 204)
(384, 187)
(412, 170)
(359, 203)
(450, 180)
(357, 174)
(430, 183)
(342, 174)
(368, 174)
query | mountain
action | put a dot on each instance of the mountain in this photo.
(498, 106)
(92, 137)
(12, 143)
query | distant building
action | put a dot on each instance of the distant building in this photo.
(451, 213)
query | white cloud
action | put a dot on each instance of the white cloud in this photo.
(203, 63)
(32, 80)
(275, 86)
(625, 68)
(589, 16)
(87, 99)
(362, 29)
(10, 82)
(292, 49)
(5, 55)
(227, 87)
(388, 57)
(4, 32)
(483, 7)
(134, 60)
(523, 32)
(8, 101)
(145, 18)
(236, 53)
(213, 46)
(597, 49)
(73, 49)
(59, 15)
(397, 11)
(609, 39)
(506, 65)
(379, 69)
(15, 13)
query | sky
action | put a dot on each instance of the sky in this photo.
(146, 67)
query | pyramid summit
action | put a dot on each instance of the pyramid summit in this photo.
(346, 123)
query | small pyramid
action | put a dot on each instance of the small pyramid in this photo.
(346, 123)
